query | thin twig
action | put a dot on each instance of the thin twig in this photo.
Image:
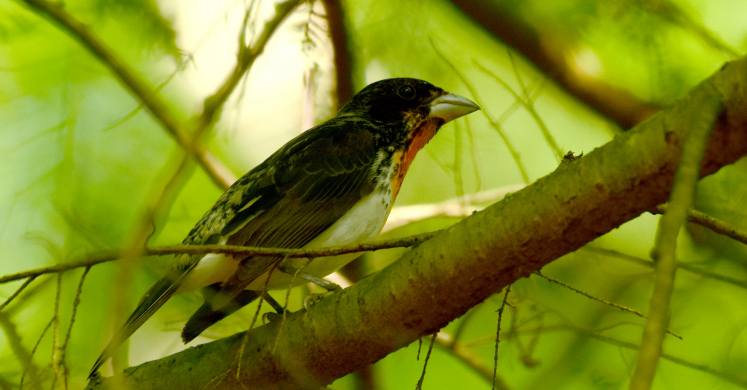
(225, 249)
(419, 386)
(496, 125)
(16, 346)
(287, 299)
(461, 352)
(339, 40)
(664, 252)
(464, 320)
(717, 225)
(475, 156)
(672, 12)
(498, 335)
(33, 351)
(695, 366)
(682, 266)
(526, 101)
(129, 78)
(457, 166)
(35, 382)
(246, 57)
(76, 302)
(735, 379)
(18, 291)
(245, 339)
(25, 297)
(157, 89)
(608, 303)
(58, 369)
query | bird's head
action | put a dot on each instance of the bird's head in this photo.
(403, 101)
(406, 114)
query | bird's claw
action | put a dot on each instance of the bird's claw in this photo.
(314, 298)
(271, 317)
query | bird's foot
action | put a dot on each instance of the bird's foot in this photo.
(325, 284)
(271, 317)
(314, 298)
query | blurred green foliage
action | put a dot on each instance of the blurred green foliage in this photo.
(81, 158)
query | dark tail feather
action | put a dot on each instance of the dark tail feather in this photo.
(156, 296)
(205, 316)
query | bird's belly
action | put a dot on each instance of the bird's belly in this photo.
(361, 223)
(212, 268)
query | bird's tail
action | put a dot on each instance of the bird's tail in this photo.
(205, 316)
(153, 299)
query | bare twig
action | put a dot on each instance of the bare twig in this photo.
(474, 152)
(254, 320)
(137, 86)
(30, 366)
(58, 368)
(664, 252)
(76, 302)
(608, 303)
(464, 320)
(717, 225)
(672, 12)
(498, 335)
(419, 386)
(526, 102)
(672, 358)
(248, 53)
(339, 38)
(226, 249)
(549, 54)
(18, 291)
(461, 352)
(682, 266)
(14, 343)
(24, 298)
(495, 124)
(737, 380)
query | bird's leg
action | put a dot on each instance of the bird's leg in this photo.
(325, 284)
(270, 316)
(331, 287)
(272, 302)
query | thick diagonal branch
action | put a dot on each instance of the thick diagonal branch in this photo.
(548, 54)
(442, 278)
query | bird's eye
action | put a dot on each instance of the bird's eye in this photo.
(406, 92)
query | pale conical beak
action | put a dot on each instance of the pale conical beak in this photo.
(451, 106)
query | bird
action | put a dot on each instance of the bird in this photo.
(332, 185)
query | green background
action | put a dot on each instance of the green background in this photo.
(81, 159)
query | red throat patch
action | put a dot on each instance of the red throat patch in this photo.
(418, 138)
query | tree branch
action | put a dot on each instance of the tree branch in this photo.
(713, 223)
(664, 252)
(130, 80)
(547, 54)
(440, 279)
(106, 257)
(335, 16)
(248, 53)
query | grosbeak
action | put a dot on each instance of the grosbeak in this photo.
(332, 185)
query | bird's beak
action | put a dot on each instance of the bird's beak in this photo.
(451, 106)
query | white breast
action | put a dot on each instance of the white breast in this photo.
(361, 223)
